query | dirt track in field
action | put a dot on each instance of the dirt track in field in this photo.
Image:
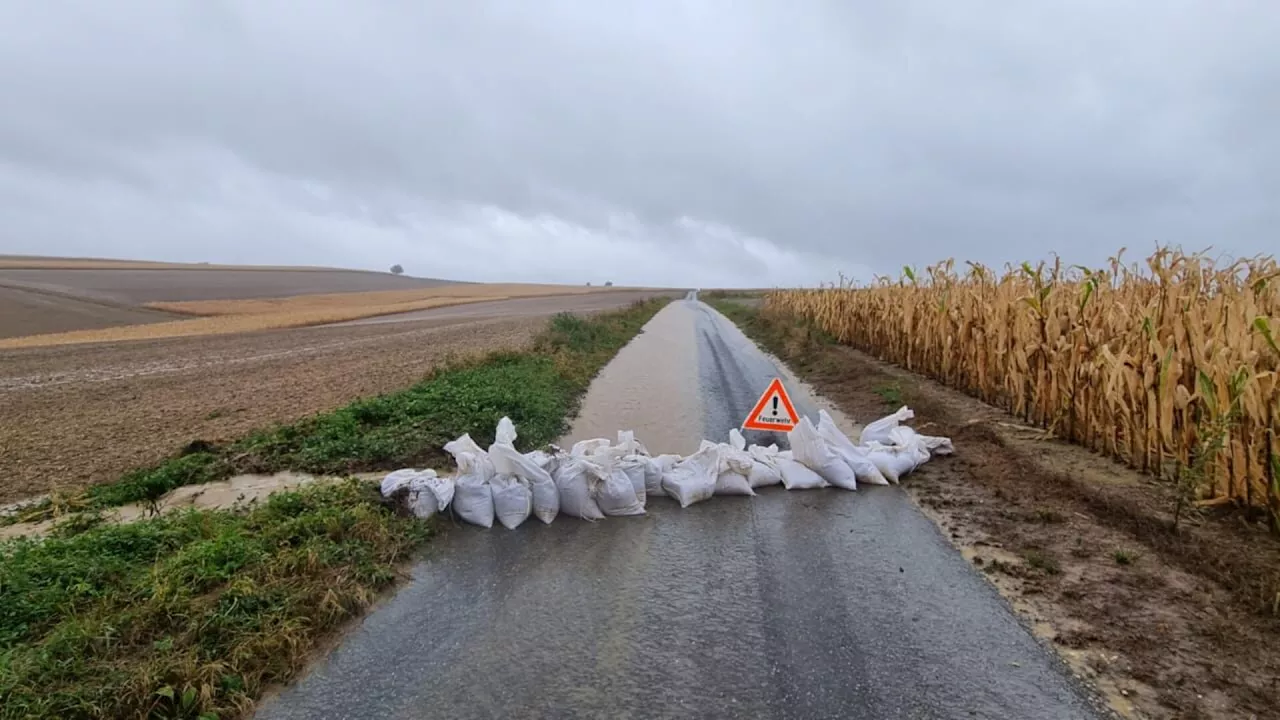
(75, 415)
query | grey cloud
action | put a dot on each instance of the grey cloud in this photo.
(736, 143)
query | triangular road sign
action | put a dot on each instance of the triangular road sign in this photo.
(774, 412)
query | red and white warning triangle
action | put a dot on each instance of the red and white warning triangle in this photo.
(774, 412)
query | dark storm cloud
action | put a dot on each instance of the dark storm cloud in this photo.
(714, 142)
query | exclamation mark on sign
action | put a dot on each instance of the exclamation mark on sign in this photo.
(775, 405)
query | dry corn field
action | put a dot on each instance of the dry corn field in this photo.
(1171, 366)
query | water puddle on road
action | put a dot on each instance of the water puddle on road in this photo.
(239, 491)
(650, 387)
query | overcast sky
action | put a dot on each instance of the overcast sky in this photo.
(725, 142)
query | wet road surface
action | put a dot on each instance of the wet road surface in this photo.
(810, 604)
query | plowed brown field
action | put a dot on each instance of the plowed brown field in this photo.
(82, 414)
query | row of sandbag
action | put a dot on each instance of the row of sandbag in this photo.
(597, 478)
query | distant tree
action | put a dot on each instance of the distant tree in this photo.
(397, 270)
(588, 284)
(608, 283)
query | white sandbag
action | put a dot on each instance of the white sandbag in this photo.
(512, 500)
(894, 461)
(424, 493)
(810, 450)
(472, 495)
(577, 478)
(583, 448)
(878, 431)
(654, 471)
(938, 445)
(479, 460)
(507, 460)
(548, 461)
(505, 432)
(906, 436)
(734, 467)
(636, 468)
(629, 445)
(429, 494)
(764, 466)
(546, 496)
(397, 480)
(693, 479)
(764, 475)
(616, 494)
(733, 483)
(421, 501)
(798, 477)
(852, 455)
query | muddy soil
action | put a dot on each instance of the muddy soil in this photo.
(91, 416)
(1167, 624)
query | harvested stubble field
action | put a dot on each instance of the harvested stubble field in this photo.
(42, 262)
(32, 312)
(58, 295)
(138, 286)
(222, 317)
(80, 414)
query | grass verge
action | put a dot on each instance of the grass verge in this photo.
(191, 615)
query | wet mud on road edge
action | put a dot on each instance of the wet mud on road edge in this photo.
(1157, 639)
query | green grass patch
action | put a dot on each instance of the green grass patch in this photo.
(891, 393)
(1042, 561)
(191, 615)
(779, 335)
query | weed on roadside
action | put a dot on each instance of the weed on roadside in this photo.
(891, 393)
(1080, 550)
(1042, 561)
(1123, 557)
(1048, 516)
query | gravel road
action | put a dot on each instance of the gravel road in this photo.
(813, 604)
